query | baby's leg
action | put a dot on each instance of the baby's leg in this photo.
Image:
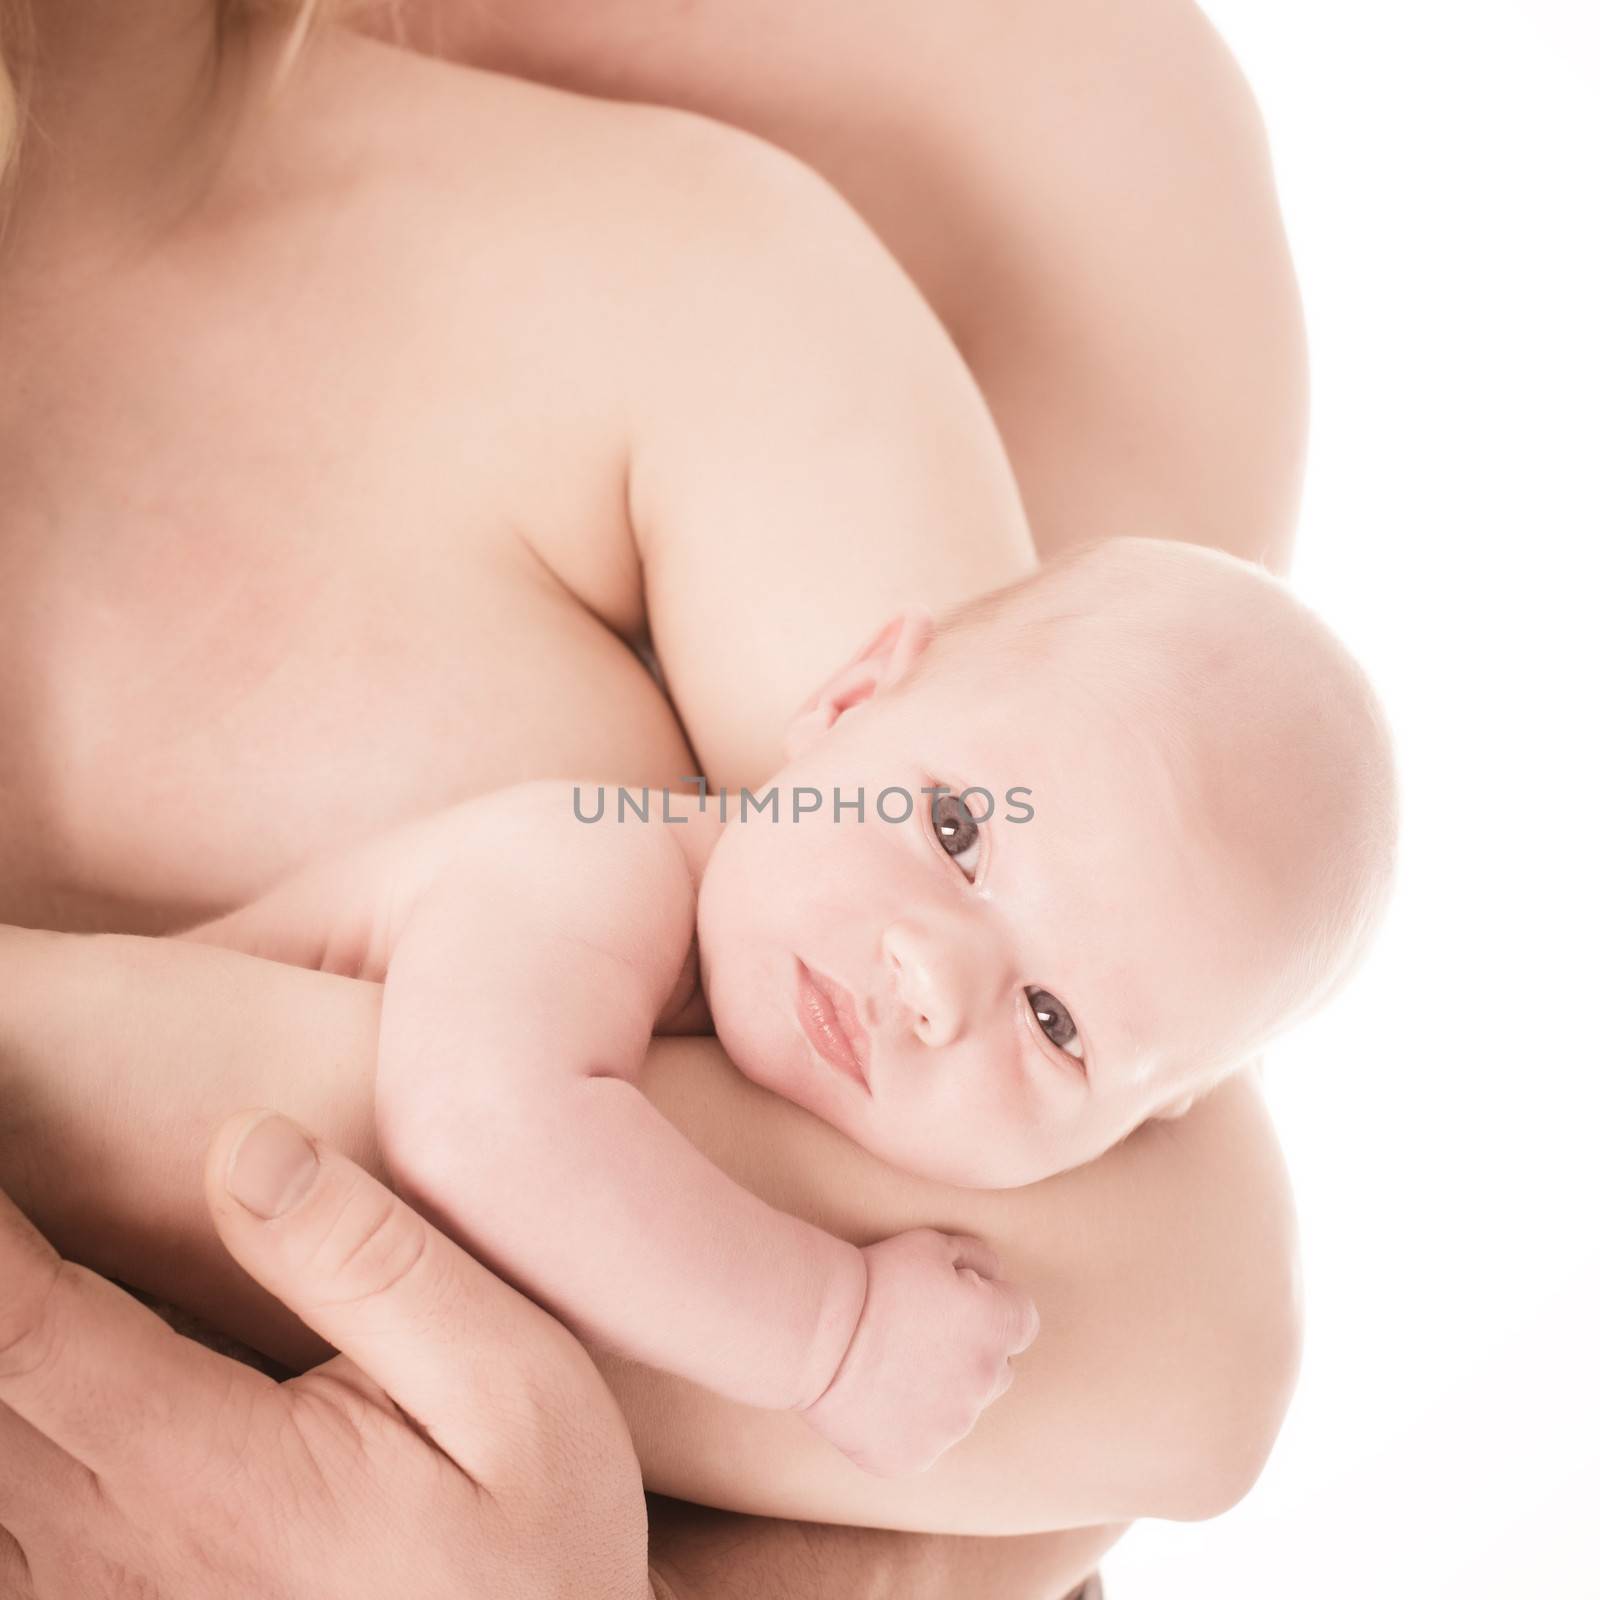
(1082, 192)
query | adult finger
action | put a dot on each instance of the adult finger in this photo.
(41, 1486)
(85, 1364)
(454, 1347)
(15, 1579)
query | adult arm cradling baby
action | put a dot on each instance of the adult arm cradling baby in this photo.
(527, 961)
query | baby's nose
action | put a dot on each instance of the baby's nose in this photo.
(932, 979)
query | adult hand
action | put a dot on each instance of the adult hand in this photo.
(463, 1444)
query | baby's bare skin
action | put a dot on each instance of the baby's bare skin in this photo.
(527, 959)
(240, 559)
(1205, 845)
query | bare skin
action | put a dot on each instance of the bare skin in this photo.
(1124, 1407)
(1082, 192)
(135, 1461)
(160, 637)
(804, 1561)
(590, 394)
(888, 978)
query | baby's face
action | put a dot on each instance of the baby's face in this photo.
(980, 1000)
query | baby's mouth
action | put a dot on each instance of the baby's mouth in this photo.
(827, 1017)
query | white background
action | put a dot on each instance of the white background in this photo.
(1439, 162)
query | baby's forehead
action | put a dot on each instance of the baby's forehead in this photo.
(1064, 702)
(1043, 657)
(1205, 719)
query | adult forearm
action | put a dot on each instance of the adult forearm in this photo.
(1164, 1273)
(697, 1552)
(120, 1056)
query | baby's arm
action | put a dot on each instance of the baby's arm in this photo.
(526, 961)
(1166, 1270)
(522, 992)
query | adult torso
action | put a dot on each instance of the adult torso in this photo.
(267, 580)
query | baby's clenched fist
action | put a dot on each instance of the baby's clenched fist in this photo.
(933, 1348)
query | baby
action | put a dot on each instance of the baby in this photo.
(1027, 879)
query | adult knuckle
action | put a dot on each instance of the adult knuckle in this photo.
(372, 1243)
(31, 1329)
(101, 1575)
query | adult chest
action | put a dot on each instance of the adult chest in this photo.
(279, 569)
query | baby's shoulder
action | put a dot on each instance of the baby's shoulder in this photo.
(592, 863)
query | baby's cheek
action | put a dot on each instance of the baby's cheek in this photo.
(1016, 1126)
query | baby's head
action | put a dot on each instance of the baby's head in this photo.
(1202, 851)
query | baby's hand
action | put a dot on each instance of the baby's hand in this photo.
(931, 1351)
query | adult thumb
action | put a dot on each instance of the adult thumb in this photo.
(379, 1283)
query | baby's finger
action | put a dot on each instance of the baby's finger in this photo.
(1003, 1381)
(1016, 1315)
(969, 1254)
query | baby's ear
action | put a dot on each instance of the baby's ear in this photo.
(881, 663)
(1175, 1108)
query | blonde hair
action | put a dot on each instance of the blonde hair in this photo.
(16, 39)
(15, 26)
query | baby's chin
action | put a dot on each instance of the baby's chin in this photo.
(778, 1061)
(785, 1066)
(957, 1168)
(1030, 1160)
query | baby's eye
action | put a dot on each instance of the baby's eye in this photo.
(1055, 1022)
(956, 831)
